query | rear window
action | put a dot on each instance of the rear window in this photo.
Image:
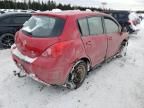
(43, 26)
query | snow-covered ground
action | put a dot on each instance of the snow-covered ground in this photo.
(118, 84)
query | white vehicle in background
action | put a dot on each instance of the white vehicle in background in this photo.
(134, 20)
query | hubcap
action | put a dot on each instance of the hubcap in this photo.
(79, 74)
(7, 41)
(77, 77)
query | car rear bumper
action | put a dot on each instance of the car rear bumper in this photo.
(45, 70)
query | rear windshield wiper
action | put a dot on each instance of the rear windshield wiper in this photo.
(26, 32)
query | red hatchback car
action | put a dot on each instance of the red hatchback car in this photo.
(60, 48)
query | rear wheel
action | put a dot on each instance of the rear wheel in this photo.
(77, 76)
(6, 40)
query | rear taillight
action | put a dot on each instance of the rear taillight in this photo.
(55, 50)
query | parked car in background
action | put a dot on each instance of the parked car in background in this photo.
(126, 19)
(10, 23)
(60, 48)
(134, 18)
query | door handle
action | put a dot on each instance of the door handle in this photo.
(109, 38)
(88, 43)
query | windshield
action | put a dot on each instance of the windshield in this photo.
(43, 26)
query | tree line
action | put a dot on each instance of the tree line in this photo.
(40, 5)
(49, 5)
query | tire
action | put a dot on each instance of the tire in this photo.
(129, 29)
(123, 50)
(6, 40)
(77, 76)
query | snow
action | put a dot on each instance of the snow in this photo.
(88, 10)
(133, 16)
(118, 84)
(56, 10)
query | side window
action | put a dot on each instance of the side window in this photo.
(111, 26)
(6, 20)
(83, 26)
(20, 19)
(95, 25)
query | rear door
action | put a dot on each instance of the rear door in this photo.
(86, 39)
(94, 40)
(112, 29)
(99, 39)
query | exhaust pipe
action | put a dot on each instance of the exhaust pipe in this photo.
(20, 74)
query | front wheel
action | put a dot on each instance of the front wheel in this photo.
(123, 49)
(130, 29)
(77, 76)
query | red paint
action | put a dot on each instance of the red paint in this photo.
(57, 55)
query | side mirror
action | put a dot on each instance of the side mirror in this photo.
(123, 29)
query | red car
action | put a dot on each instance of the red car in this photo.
(61, 48)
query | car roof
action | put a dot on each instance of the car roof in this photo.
(13, 14)
(120, 12)
(70, 13)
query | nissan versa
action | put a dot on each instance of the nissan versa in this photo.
(61, 48)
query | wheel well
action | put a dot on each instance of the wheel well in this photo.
(1, 36)
(124, 42)
(8, 33)
(87, 61)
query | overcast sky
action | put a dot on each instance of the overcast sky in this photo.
(113, 4)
